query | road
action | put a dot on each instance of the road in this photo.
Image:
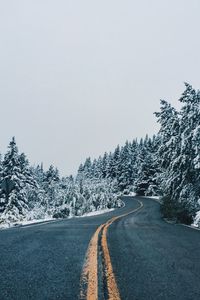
(138, 255)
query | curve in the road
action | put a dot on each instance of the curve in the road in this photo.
(151, 259)
(89, 278)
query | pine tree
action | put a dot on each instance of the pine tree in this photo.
(104, 166)
(114, 164)
(189, 121)
(15, 207)
(134, 159)
(87, 168)
(51, 186)
(125, 168)
(178, 155)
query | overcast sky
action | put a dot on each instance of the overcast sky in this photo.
(79, 77)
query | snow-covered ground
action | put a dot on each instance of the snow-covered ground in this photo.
(97, 212)
(153, 197)
(132, 194)
(36, 221)
(22, 223)
(197, 220)
(32, 222)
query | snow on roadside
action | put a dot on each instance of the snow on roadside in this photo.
(34, 221)
(22, 223)
(96, 212)
(4, 226)
(132, 194)
(153, 197)
(196, 222)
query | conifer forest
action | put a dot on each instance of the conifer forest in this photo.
(165, 165)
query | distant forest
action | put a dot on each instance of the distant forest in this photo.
(165, 165)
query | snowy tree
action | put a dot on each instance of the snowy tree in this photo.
(113, 170)
(179, 155)
(147, 181)
(104, 165)
(16, 205)
(125, 168)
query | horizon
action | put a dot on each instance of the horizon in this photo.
(83, 79)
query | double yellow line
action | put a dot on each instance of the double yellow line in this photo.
(89, 278)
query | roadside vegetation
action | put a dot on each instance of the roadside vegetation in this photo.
(42, 194)
(166, 165)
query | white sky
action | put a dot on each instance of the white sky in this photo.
(79, 77)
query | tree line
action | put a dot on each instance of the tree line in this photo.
(40, 194)
(167, 164)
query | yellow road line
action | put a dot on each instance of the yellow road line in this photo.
(113, 291)
(90, 270)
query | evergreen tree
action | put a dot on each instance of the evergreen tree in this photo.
(16, 205)
(51, 186)
(104, 166)
(113, 171)
(178, 155)
(87, 168)
(125, 168)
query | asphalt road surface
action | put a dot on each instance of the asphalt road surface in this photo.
(151, 259)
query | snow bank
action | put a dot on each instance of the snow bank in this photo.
(22, 223)
(32, 222)
(197, 220)
(153, 197)
(97, 212)
(36, 221)
(132, 194)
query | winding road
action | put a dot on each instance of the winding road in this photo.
(127, 254)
